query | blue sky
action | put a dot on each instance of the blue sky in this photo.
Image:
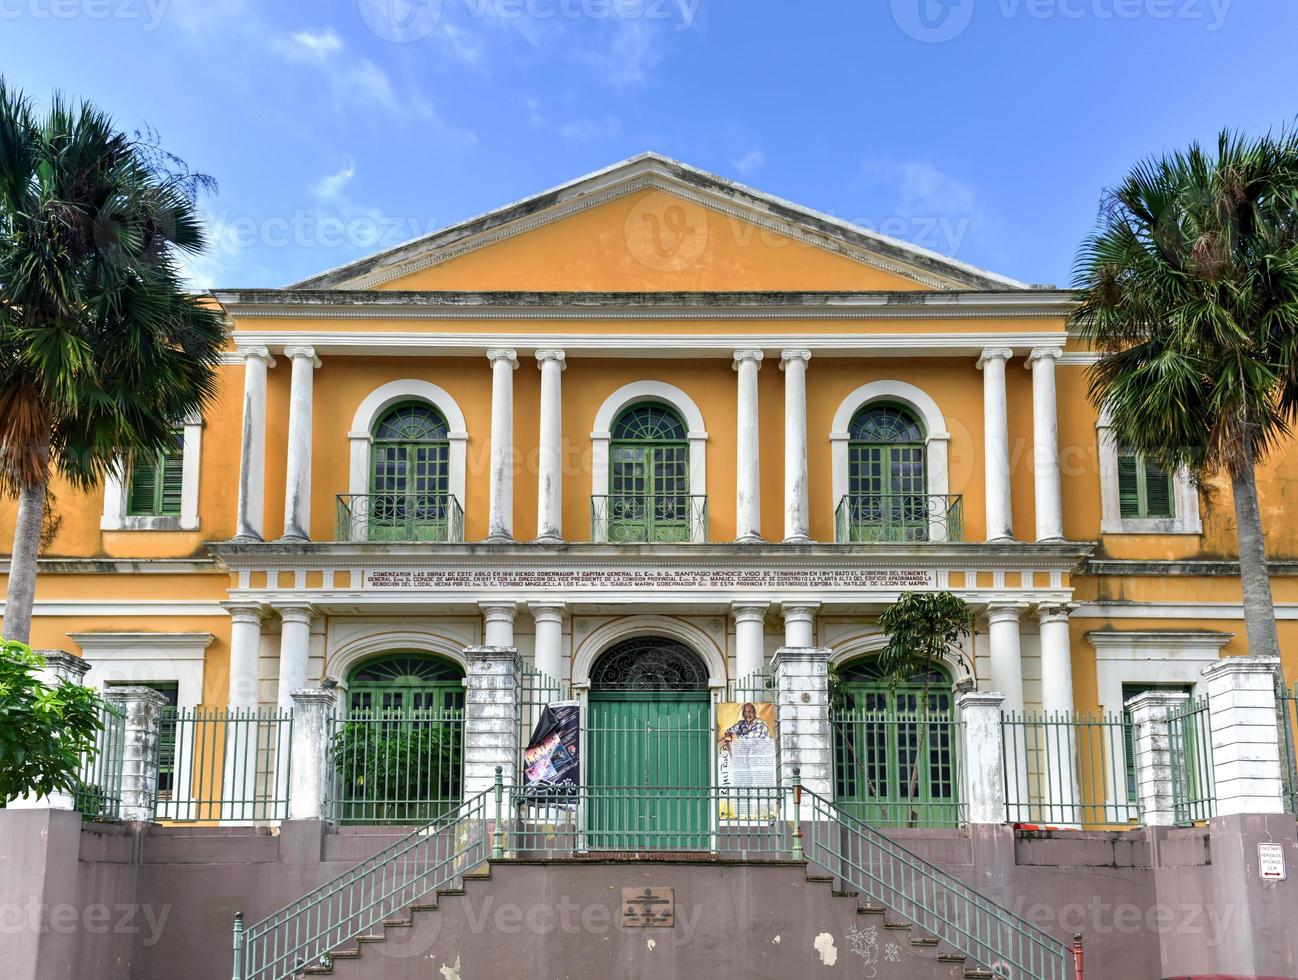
(984, 129)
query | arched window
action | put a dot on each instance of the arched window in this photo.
(405, 684)
(649, 663)
(649, 476)
(409, 475)
(895, 747)
(886, 492)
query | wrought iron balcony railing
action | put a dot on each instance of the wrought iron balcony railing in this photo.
(628, 518)
(899, 518)
(399, 517)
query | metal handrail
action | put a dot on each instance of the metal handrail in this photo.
(898, 518)
(305, 931)
(648, 518)
(399, 517)
(929, 898)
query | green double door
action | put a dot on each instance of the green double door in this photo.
(650, 772)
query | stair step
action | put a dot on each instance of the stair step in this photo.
(443, 892)
(351, 953)
(424, 907)
(896, 925)
(978, 973)
(869, 910)
(820, 878)
(317, 971)
(839, 894)
(481, 871)
(923, 941)
(398, 923)
(952, 958)
(370, 939)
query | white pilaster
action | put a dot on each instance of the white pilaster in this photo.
(59, 666)
(748, 498)
(500, 520)
(245, 651)
(490, 717)
(1057, 701)
(142, 707)
(793, 363)
(799, 623)
(498, 623)
(1007, 680)
(252, 461)
(750, 637)
(1242, 713)
(1045, 443)
(311, 769)
(294, 651)
(996, 443)
(549, 474)
(297, 489)
(983, 756)
(548, 618)
(802, 695)
(1153, 753)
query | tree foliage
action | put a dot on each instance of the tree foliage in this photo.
(924, 629)
(44, 731)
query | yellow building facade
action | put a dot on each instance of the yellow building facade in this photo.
(650, 404)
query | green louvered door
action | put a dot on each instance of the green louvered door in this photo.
(649, 771)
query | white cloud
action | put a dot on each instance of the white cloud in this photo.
(331, 186)
(309, 46)
(751, 161)
(607, 126)
(930, 207)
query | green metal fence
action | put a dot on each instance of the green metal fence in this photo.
(98, 792)
(1194, 790)
(926, 896)
(631, 518)
(899, 770)
(399, 517)
(757, 686)
(222, 764)
(898, 518)
(397, 765)
(536, 691)
(305, 932)
(1067, 770)
(747, 821)
(1287, 712)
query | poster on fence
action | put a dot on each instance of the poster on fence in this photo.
(552, 759)
(746, 766)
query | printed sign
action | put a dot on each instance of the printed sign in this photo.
(552, 759)
(1270, 862)
(746, 765)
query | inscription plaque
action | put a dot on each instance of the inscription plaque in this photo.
(649, 579)
(648, 908)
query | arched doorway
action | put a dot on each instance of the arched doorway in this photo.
(409, 475)
(895, 747)
(399, 752)
(649, 732)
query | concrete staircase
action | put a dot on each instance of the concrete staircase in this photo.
(555, 920)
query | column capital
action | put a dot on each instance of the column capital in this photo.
(1154, 705)
(305, 353)
(793, 355)
(1242, 666)
(987, 700)
(315, 696)
(65, 666)
(1055, 613)
(749, 611)
(993, 354)
(135, 695)
(301, 613)
(547, 612)
(1003, 612)
(747, 355)
(480, 656)
(257, 354)
(245, 612)
(1043, 354)
(799, 609)
(499, 610)
(503, 354)
(551, 354)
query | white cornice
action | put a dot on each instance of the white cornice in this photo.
(179, 646)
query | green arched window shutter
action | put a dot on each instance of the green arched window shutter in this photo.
(1145, 489)
(887, 485)
(410, 474)
(649, 476)
(156, 481)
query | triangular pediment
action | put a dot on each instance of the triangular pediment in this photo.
(652, 224)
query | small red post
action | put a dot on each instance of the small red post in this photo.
(1078, 956)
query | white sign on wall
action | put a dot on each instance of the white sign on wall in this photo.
(1270, 862)
(571, 579)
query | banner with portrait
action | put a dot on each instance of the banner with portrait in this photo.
(552, 759)
(747, 770)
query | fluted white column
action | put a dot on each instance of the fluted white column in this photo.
(297, 489)
(796, 523)
(245, 652)
(750, 638)
(799, 624)
(500, 521)
(549, 473)
(294, 651)
(1045, 443)
(548, 618)
(1057, 700)
(251, 519)
(1007, 680)
(498, 623)
(748, 498)
(996, 443)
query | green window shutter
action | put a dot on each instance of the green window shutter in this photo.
(142, 495)
(172, 475)
(1158, 491)
(1128, 484)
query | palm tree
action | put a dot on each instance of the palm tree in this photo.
(1189, 292)
(101, 347)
